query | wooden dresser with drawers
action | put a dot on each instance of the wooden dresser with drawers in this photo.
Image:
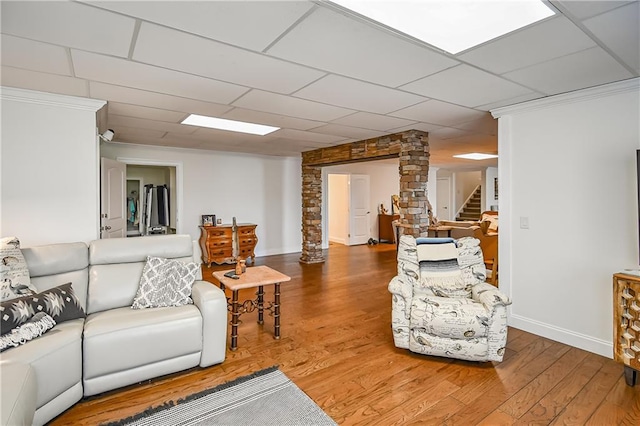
(220, 244)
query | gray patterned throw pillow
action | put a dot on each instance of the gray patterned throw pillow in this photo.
(14, 273)
(165, 282)
(36, 326)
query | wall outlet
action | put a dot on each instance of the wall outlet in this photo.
(218, 221)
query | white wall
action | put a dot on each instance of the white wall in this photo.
(384, 178)
(567, 163)
(464, 184)
(260, 189)
(338, 208)
(49, 167)
(488, 191)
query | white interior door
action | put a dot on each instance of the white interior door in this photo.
(359, 206)
(443, 197)
(113, 178)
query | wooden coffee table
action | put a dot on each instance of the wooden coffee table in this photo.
(255, 276)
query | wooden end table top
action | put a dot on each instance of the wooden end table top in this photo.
(253, 277)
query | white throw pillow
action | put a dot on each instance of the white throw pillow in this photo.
(14, 273)
(165, 282)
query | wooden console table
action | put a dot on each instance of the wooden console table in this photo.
(220, 244)
(626, 323)
(385, 229)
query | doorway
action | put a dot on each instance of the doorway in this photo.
(348, 219)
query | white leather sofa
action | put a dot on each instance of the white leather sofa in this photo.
(114, 345)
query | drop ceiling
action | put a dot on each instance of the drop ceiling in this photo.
(323, 75)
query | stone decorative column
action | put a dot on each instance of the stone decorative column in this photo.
(414, 172)
(311, 215)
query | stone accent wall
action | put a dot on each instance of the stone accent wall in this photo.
(414, 172)
(413, 149)
(311, 215)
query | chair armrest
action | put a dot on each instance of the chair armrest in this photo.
(212, 303)
(489, 296)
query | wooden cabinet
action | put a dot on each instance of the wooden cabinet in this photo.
(626, 323)
(220, 244)
(385, 229)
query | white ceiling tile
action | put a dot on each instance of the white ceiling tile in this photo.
(330, 41)
(306, 136)
(441, 113)
(511, 101)
(33, 55)
(588, 68)
(367, 120)
(467, 86)
(127, 132)
(268, 119)
(120, 120)
(25, 79)
(620, 32)
(196, 55)
(145, 112)
(349, 93)
(348, 132)
(250, 24)
(445, 133)
(128, 95)
(582, 9)
(280, 104)
(425, 127)
(135, 75)
(486, 125)
(69, 24)
(537, 43)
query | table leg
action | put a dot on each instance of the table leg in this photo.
(235, 315)
(276, 311)
(260, 304)
(630, 375)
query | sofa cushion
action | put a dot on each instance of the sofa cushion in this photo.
(37, 325)
(14, 273)
(123, 338)
(165, 282)
(451, 318)
(18, 390)
(56, 358)
(59, 302)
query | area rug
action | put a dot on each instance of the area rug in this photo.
(267, 397)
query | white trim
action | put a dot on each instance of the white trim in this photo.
(179, 180)
(52, 99)
(571, 97)
(562, 335)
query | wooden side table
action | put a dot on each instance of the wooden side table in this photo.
(626, 323)
(255, 276)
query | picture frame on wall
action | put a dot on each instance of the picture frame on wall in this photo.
(495, 188)
(208, 220)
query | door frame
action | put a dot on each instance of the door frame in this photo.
(179, 179)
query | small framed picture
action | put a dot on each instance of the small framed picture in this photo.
(208, 220)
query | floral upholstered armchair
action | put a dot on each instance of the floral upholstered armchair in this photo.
(442, 305)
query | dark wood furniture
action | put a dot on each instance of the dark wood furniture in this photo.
(385, 229)
(220, 244)
(626, 323)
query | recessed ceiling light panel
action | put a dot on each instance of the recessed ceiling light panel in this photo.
(231, 125)
(476, 156)
(452, 25)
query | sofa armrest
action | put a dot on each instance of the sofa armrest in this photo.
(489, 296)
(212, 303)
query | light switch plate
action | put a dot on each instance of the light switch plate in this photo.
(524, 222)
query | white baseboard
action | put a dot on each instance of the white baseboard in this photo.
(568, 337)
(337, 240)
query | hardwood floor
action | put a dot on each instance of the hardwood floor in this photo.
(337, 346)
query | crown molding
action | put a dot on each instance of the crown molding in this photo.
(632, 84)
(50, 99)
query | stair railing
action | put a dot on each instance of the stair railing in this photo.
(467, 201)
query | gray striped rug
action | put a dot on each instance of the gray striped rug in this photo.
(267, 397)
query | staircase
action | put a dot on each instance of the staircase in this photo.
(471, 210)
